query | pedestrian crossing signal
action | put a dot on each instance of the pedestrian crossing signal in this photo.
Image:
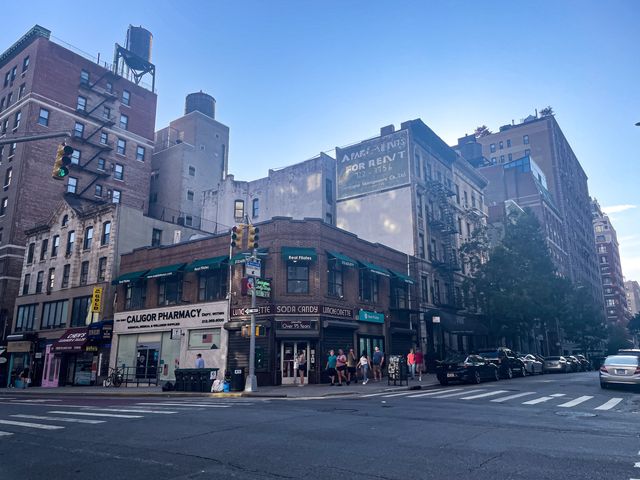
(63, 160)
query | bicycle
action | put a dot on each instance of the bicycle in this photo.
(114, 379)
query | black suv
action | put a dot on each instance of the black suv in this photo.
(507, 362)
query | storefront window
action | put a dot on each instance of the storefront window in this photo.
(26, 315)
(80, 311)
(169, 356)
(399, 293)
(208, 339)
(169, 290)
(135, 295)
(212, 285)
(335, 278)
(368, 286)
(297, 278)
(126, 350)
(54, 314)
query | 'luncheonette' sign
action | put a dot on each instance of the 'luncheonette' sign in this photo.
(373, 165)
(317, 310)
(172, 317)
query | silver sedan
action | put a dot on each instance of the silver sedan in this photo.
(532, 364)
(620, 369)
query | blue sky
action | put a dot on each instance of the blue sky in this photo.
(293, 78)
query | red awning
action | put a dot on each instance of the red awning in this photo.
(71, 341)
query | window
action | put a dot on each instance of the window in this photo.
(297, 278)
(399, 294)
(78, 130)
(71, 238)
(492, 147)
(54, 314)
(25, 64)
(65, 220)
(118, 172)
(611, 302)
(419, 205)
(424, 288)
(329, 191)
(2, 103)
(204, 339)
(25, 284)
(55, 245)
(460, 225)
(501, 158)
(368, 288)
(335, 278)
(457, 193)
(51, 279)
(84, 272)
(43, 249)
(508, 142)
(88, 237)
(75, 157)
(510, 156)
(7, 77)
(418, 164)
(602, 248)
(84, 77)
(255, 207)
(5, 125)
(106, 232)
(109, 87)
(43, 118)
(98, 190)
(101, 163)
(106, 113)
(140, 151)
(16, 120)
(188, 220)
(135, 295)
(126, 97)
(433, 254)
(39, 280)
(115, 196)
(190, 195)
(600, 238)
(25, 318)
(329, 218)
(7, 177)
(525, 139)
(30, 252)
(14, 72)
(192, 171)
(9, 96)
(121, 147)
(102, 269)
(3, 206)
(21, 91)
(212, 284)
(65, 276)
(169, 290)
(124, 121)
(238, 209)
(156, 237)
(427, 170)
(473, 200)
(527, 152)
(436, 292)
(72, 184)
(80, 311)
(104, 138)
(81, 104)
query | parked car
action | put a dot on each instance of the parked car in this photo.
(629, 351)
(532, 364)
(506, 361)
(574, 363)
(586, 364)
(556, 364)
(620, 369)
(466, 368)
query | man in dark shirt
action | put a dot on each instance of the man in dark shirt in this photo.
(378, 362)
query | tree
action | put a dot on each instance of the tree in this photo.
(582, 319)
(618, 338)
(546, 111)
(482, 131)
(634, 324)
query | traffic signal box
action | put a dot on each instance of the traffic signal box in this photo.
(261, 331)
(63, 161)
(253, 237)
(237, 234)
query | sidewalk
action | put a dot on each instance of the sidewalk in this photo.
(280, 391)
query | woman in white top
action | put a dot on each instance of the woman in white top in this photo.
(364, 365)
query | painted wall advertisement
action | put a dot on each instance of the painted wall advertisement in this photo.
(373, 165)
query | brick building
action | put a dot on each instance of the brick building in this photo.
(46, 87)
(329, 289)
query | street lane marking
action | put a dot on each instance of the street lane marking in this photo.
(31, 425)
(459, 393)
(609, 405)
(577, 401)
(39, 400)
(435, 392)
(481, 395)
(542, 399)
(211, 405)
(60, 419)
(125, 410)
(5, 434)
(375, 394)
(511, 397)
(398, 394)
(88, 414)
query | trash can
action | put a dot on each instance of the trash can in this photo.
(192, 383)
(206, 378)
(179, 380)
(237, 379)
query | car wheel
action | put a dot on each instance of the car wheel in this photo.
(497, 374)
(523, 372)
(509, 373)
(476, 378)
(603, 385)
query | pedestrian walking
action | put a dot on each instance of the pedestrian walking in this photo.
(419, 363)
(363, 364)
(351, 366)
(199, 361)
(24, 377)
(331, 366)
(341, 366)
(302, 367)
(411, 364)
(377, 362)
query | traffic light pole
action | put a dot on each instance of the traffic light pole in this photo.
(32, 138)
(251, 384)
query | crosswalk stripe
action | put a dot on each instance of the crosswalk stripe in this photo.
(31, 425)
(459, 393)
(89, 414)
(543, 399)
(398, 394)
(434, 392)
(126, 410)
(60, 419)
(5, 434)
(512, 397)
(481, 395)
(609, 405)
(375, 394)
(210, 405)
(576, 401)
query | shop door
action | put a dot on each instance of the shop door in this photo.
(368, 345)
(147, 360)
(289, 352)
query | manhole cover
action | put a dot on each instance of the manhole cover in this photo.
(576, 414)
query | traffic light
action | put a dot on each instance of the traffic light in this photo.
(253, 237)
(63, 160)
(237, 233)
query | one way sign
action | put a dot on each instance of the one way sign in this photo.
(249, 311)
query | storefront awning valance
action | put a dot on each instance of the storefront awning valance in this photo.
(206, 264)
(165, 271)
(402, 277)
(72, 340)
(299, 254)
(375, 269)
(343, 259)
(129, 277)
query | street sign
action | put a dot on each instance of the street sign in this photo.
(252, 268)
(96, 300)
(436, 319)
(261, 285)
(252, 311)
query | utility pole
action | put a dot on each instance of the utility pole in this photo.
(251, 384)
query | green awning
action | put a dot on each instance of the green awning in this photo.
(129, 277)
(402, 277)
(241, 257)
(165, 271)
(375, 269)
(206, 264)
(343, 259)
(299, 254)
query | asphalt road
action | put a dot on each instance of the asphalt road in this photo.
(544, 427)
